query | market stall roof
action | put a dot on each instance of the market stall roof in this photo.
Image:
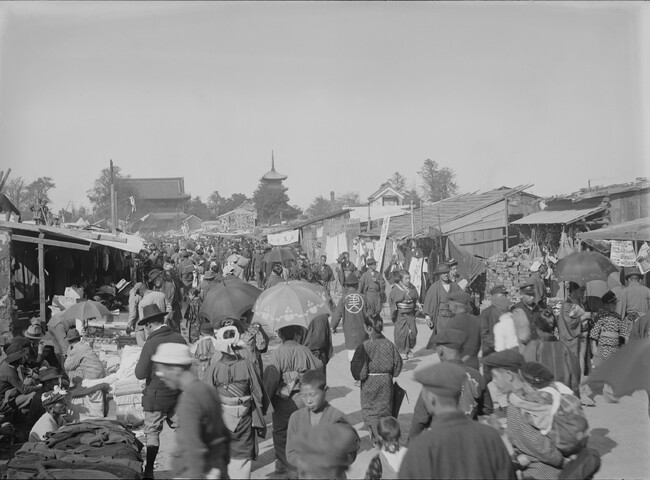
(638, 229)
(558, 217)
(121, 241)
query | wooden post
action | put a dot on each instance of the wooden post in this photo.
(412, 223)
(507, 232)
(113, 207)
(41, 277)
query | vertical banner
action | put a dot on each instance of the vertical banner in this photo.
(622, 253)
(379, 254)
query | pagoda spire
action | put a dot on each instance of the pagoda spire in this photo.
(272, 162)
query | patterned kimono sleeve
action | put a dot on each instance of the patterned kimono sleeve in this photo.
(374, 469)
(359, 364)
(398, 363)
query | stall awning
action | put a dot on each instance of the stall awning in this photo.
(557, 217)
(638, 229)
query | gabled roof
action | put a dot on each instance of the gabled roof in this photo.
(449, 210)
(385, 188)
(157, 188)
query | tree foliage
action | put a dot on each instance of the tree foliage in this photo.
(437, 182)
(196, 206)
(219, 205)
(25, 195)
(100, 194)
(322, 206)
(272, 205)
(398, 182)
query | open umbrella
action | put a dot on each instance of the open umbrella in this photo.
(627, 370)
(289, 303)
(582, 267)
(231, 299)
(279, 255)
(86, 310)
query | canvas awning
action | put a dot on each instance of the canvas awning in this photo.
(638, 229)
(557, 217)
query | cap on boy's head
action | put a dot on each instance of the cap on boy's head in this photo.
(609, 297)
(371, 261)
(328, 446)
(444, 379)
(502, 303)
(506, 360)
(536, 374)
(459, 297)
(442, 268)
(315, 378)
(527, 288)
(498, 290)
(451, 338)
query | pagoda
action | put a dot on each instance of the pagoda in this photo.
(272, 178)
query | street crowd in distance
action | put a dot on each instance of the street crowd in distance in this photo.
(503, 398)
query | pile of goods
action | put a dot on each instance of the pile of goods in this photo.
(511, 268)
(100, 449)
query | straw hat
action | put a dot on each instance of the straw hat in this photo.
(172, 354)
(34, 332)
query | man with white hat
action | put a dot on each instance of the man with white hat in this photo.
(202, 439)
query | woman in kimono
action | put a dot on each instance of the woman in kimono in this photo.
(243, 401)
(404, 305)
(375, 363)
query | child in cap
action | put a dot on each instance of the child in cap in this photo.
(317, 411)
(387, 462)
(326, 451)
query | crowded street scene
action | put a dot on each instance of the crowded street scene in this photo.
(268, 240)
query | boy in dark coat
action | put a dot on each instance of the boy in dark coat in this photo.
(158, 400)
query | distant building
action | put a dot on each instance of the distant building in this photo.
(241, 219)
(272, 178)
(160, 203)
(386, 196)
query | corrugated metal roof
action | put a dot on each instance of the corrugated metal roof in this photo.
(638, 229)
(557, 217)
(157, 188)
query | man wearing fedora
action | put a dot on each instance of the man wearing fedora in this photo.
(149, 297)
(373, 286)
(49, 377)
(158, 399)
(12, 389)
(203, 441)
(158, 283)
(436, 301)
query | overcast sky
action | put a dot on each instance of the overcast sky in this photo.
(344, 93)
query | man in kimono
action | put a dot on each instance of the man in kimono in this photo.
(436, 303)
(456, 446)
(345, 268)
(352, 309)
(373, 286)
(528, 304)
(282, 384)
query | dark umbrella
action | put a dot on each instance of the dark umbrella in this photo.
(86, 310)
(279, 255)
(582, 267)
(231, 299)
(627, 370)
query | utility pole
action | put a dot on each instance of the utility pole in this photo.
(113, 202)
(412, 222)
